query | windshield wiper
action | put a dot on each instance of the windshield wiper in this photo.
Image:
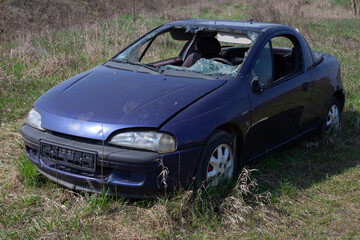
(148, 66)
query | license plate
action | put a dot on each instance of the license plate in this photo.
(67, 156)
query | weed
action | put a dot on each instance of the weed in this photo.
(30, 177)
(243, 196)
(98, 201)
(285, 188)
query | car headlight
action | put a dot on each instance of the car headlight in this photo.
(150, 140)
(34, 119)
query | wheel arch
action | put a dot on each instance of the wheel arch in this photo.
(236, 133)
(340, 97)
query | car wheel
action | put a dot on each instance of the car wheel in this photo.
(332, 117)
(218, 161)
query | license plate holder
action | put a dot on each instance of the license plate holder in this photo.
(68, 156)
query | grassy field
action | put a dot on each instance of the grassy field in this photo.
(307, 191)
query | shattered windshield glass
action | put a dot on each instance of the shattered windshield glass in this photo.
(208, 67)
(168, 47)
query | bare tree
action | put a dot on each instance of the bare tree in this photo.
(353, 4)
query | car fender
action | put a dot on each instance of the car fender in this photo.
(228, 104)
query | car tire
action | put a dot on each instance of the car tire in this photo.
(218, 160)
(332, 118)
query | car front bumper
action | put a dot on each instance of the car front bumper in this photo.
(120, 171)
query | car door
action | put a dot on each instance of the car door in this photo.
(278, 93)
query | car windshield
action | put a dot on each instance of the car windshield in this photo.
(179, 50)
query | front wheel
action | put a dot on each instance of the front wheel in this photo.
(217, 162)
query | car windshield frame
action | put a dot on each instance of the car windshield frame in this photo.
(130, 55)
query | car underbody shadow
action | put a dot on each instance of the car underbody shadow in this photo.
(312, 160)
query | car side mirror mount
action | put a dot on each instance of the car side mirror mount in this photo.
(255, 86)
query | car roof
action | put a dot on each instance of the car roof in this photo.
(229, 24)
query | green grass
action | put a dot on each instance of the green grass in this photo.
(314, 184)
(341, 2)
(30, 177)
(233, 11)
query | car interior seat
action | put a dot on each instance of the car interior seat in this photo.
(205, 47)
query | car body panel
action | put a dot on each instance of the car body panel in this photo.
(277, 113)
(132, 177)
(326, 81)
(105, 100)
(198, 121)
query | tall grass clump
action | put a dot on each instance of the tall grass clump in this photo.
(29, 176)
(204, 211)
(212, 206)
(272, 11)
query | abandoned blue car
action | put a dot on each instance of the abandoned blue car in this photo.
(188, 103)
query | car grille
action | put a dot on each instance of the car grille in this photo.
(67, 156)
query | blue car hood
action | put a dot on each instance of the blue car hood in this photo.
(100, 101)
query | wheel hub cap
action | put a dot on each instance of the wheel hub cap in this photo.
(221, 164)
(333, 118)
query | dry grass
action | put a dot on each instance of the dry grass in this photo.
(290, 12)
(20, 17)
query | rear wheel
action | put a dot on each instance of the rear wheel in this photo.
(333, 116)
(217, 162)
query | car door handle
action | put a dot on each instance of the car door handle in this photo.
(305, 86)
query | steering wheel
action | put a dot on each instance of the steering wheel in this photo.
(222, 60)
(288, 54)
